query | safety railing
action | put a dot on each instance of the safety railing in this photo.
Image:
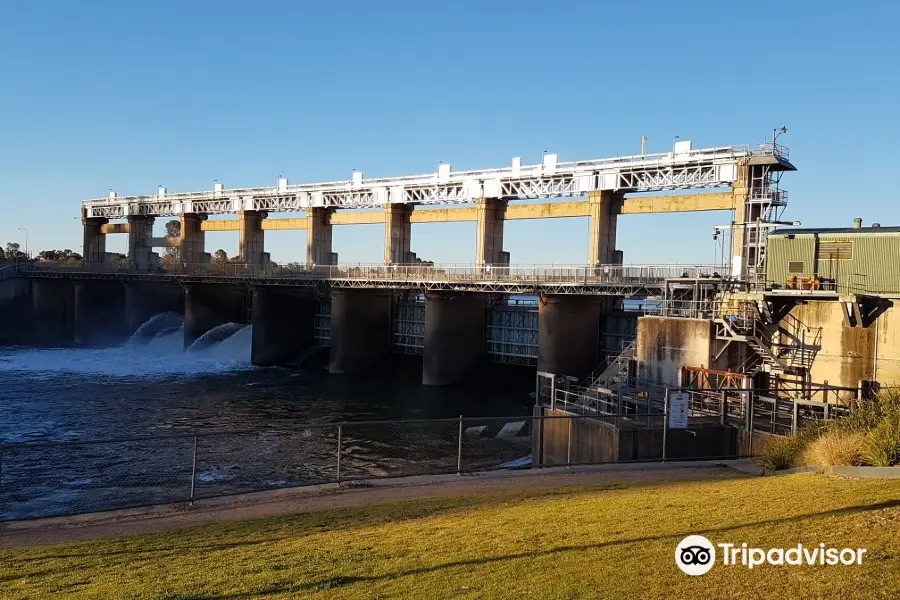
(568, 274)
(7, 271)
(773, 411)
(68, 477)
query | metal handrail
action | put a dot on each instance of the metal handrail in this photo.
(380, 272)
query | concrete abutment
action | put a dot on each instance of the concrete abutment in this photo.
(454, 344)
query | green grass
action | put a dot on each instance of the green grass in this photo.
(614, 541)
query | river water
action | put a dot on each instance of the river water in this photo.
(152, 386)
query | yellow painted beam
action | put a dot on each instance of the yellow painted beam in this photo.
(514, 212)
(275, 224)
(354, 217)
(444, 215)
(230, 225)
(115, 228)
(678, 203)
(547, 210)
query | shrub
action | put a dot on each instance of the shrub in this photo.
(835, 448)
(779, 453)
(882, 443)
(867, 414)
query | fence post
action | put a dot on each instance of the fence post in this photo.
(748, 410)
(795, 417)
(194, 470)
(723, 406)
(459, 448)
(569, 445)
(665, 431)
(339, 444)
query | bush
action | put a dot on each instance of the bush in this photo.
(778, 454)
(835, 448)
(882, 444)
(868, 435)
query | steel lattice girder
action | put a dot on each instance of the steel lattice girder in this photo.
(680, 169)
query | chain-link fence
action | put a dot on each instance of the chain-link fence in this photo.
(62, 478)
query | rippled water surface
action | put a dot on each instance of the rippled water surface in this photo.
(153, 387)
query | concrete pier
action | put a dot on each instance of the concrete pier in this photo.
(569, 335)
(193, 239)
(99, 313)
(604, 207)
(252, 246)
(361, 329)
(207, 306)
(94, 240)
(454, 336)
(283, 324)
(53, 306)
(318, 236)
(490, 214)
(140, 234)
(16, 311)
(397, 234)
(144, 300)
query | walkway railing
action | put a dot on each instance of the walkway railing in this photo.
(758, 410)
(568, 274)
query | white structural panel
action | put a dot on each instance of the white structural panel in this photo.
(683, 168)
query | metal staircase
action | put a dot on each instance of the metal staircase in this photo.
(752, 323)
(614, 371)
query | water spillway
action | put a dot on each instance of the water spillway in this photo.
(155, 350)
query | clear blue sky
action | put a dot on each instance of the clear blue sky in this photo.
(98, 95)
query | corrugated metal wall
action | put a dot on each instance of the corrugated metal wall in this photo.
(781, 251)
(874, 268)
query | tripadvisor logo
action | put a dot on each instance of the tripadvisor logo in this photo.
(696, 555)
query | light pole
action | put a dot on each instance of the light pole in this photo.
(26, 239)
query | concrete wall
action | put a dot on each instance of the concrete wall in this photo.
(845, 355)
(16, 320)
(664, 345)
(99, 313)
(53, 309)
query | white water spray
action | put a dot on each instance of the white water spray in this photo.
(155, 350)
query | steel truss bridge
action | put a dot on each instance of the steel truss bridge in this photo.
(683, 168)
(604, 280)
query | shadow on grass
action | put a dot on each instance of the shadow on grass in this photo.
(285, 587)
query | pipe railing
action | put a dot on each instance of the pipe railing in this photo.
(629, 274)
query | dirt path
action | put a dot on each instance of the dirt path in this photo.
(300, 500)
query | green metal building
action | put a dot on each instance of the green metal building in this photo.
(857, 260)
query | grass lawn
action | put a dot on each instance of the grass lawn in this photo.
(612, 541)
